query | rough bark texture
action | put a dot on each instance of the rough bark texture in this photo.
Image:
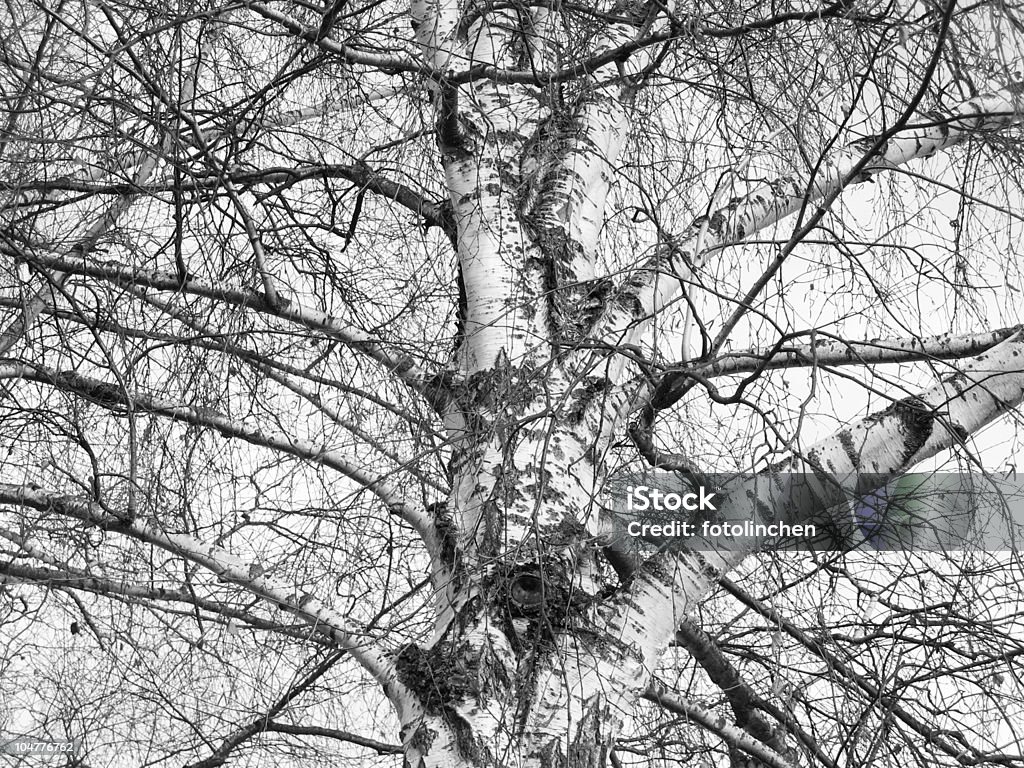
(537, 655)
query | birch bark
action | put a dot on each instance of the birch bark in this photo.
(536, 659)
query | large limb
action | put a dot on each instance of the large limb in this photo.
(401, 366)
(829, 350)
(481, 129)
(565, 168)
(655, 284)
(766, 754)
(113, 397)
(223, 565)
(888, 443)
(825, 351)
(885, 444)
(571, 166)
(744, 703)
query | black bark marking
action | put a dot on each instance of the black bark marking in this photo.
(765, 511)
(441, 677)
(850, 448)
(583, 396)
(959, 382)
(631, 303)
(447, 534)
(915, 420)
(462, 309)
(451, 138)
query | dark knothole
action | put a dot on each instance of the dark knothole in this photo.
(526, 591)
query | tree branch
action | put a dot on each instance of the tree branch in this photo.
(575, 170)
(716, 724)
(401, 366)
(224, 565)
(217, 342)
(828, 352)
(744, 703)
(39, 302)
(878, 447)
(266, 724)
(885, 444)
(743, 700)
(953, 744)
(435, 214)
(888, 443)
(71, 580)
(110, 396)
(312, 397)
(539, 77)
(333, 733)
(654, 286)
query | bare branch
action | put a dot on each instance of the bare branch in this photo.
(34, 306)
(224, 565)
(435, 214)
(741, 698)
(890, 442)
(953, 744)
(110, 396)
(265, 723)
(716, 724)
(218, 342)
(883, 445)
(829, 352)
(654, 286)
(401, 366)
(333, 733)
(71, 580)
(475, 72)
(312, 397)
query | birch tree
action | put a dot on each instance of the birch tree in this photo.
(328, 328)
